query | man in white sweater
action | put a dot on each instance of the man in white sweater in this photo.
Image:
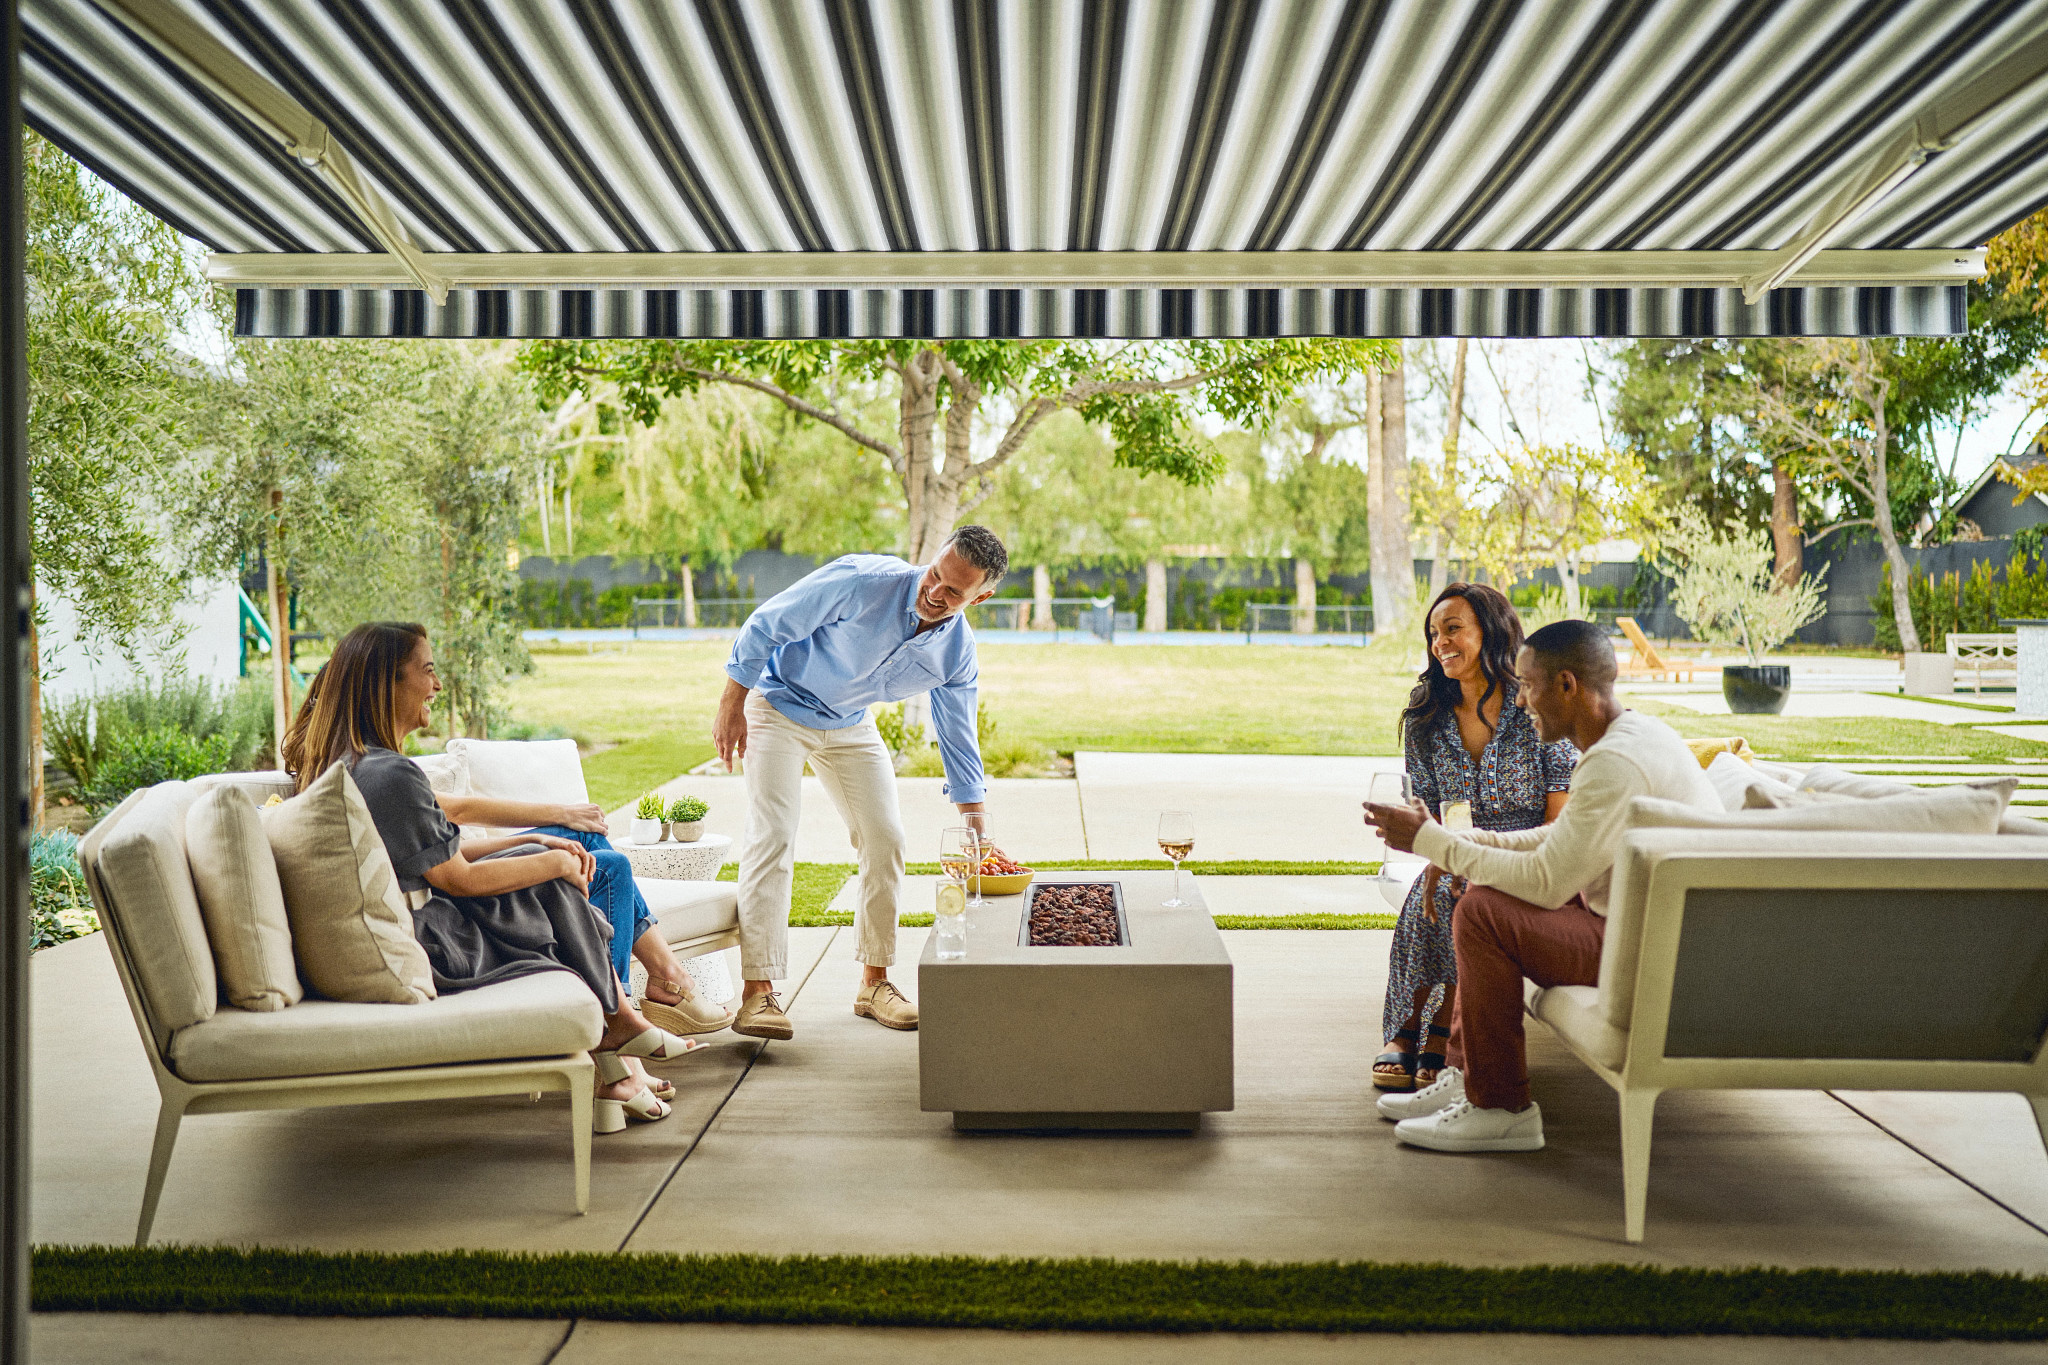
(1537, 905)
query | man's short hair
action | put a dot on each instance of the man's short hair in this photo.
(980, 547)
(1579, 648)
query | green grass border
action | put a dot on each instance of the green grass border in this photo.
(815, 885)
(1075, 1294)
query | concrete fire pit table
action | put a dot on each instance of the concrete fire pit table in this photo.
(1126, 1037)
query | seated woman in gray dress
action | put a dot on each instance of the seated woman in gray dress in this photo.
(486, 911)
(1466, 741)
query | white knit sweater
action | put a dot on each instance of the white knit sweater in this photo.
(1548, 865)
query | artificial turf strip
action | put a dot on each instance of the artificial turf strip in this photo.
(1044, 1295)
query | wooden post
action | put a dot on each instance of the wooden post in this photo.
(689, 596)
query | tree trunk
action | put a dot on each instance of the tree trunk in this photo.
(1568, 577)
(568, 523)
(689, 596)
(280, 628)
(1785, 527)
(1454, 421)
(1875, 389)
(1041, 597)
(1304, 596)
(1386, 457)
(37, 797)
(1155, 595)
(924, 491)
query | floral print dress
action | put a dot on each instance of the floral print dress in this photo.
(1508, 787)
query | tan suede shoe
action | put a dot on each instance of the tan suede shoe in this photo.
(690, 1015)
(762, 1017)
(886, 1005)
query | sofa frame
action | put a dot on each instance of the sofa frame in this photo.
(1681, 898)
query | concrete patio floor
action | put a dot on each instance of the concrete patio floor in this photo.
(817, 1145)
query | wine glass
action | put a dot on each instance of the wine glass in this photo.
(1176, 841)
(958, 850)
(977, 825)
(1398, 870)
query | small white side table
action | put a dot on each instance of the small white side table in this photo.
(673, 862)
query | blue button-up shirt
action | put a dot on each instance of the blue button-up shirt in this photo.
(845, 638)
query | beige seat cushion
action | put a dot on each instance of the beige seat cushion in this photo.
(138, 854)
(1574, 1013)
(350, 925)
(546, 1014)
(687, 910)
(242, 900)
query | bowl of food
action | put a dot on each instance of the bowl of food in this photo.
(999, 876)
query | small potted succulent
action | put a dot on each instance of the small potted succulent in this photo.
(647, 823)
(686, 819)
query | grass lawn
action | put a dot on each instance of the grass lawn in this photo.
(655, 703)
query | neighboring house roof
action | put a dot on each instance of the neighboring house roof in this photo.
(2034, 455)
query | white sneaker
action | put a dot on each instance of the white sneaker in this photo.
(1461, 1128)
(1446, 1090)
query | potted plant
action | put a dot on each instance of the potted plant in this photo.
(1725, 587)
(647, 823)
(686, 819)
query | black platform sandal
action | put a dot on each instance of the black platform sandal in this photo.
(1432, 1062)
(1404, 1078)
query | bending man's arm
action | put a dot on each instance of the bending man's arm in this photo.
(953, 721)
(1548, 865)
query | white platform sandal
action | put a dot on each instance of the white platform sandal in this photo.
(653, 1045)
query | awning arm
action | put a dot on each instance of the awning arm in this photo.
(174, 33)
(1935, 129)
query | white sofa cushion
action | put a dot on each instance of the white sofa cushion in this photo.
(138, 852)
(447, 773)
(1738, 783)
(1939, 810)
(1575, 1014)
(546, 1014)
(523, 769)
(241, 900)
(351, 928)
(687, 910)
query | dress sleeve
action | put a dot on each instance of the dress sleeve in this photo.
(1420, 746)
(1557, 761)
(409, 820)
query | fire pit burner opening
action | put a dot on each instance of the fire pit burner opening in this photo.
(1075, 915)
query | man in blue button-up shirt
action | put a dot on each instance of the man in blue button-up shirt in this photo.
(863, 630)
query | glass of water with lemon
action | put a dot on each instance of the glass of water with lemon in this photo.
(959, 847)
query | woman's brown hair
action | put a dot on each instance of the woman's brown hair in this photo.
(352, 704)
(1500, 639)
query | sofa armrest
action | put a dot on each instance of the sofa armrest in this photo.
(1657, 867)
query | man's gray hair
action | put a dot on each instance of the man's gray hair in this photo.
(980, 547)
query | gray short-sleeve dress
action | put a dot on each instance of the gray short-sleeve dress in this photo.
(472, 941)
(1508, 787)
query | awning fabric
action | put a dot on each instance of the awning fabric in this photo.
(687, 142)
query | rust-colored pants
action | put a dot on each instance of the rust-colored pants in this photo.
(1499, 940)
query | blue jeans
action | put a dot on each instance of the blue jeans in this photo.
(613, 893)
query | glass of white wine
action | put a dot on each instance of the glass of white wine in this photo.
(1176, 841)
(1398, 871)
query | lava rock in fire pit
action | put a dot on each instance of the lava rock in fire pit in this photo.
(1074, 915)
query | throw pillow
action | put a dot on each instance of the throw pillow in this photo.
(350, 923)
(1761, 797)
(1738, 783)
(1942, 810)
(523, 770)
(1705, 749)
(446, 773)
(241, 900)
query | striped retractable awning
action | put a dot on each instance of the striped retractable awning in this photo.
(1067, 167)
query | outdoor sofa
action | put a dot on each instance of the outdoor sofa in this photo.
(528, 1035)
(1749, 957)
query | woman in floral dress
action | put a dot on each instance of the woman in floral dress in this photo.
(1466, 741)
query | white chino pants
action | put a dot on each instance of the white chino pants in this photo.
(855, 767)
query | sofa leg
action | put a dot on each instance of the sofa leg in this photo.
(581, 1108)
(169, 1114)
(1638, 1110)
(2040, 1103)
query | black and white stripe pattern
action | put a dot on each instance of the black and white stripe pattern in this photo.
(729, 126)
(1930, 310)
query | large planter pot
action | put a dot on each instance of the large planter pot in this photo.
(1930, 675)
(646, 831)
(1756, 689)
(686, 833)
